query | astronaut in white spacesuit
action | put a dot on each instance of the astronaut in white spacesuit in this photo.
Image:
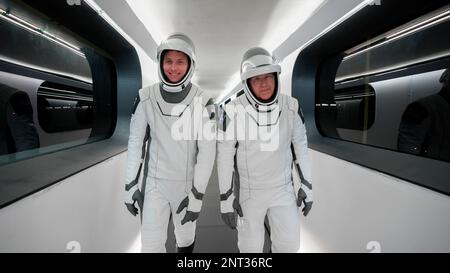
(173, 128)
(261, 137)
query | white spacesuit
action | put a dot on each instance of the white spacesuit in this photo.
(179, 157)
(262, 163)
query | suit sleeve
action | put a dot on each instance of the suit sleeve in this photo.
(206, 145)
(139, 132)
(300, 149)
(226, 150)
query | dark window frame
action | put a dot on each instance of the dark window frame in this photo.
(25, 177)
(313, 83)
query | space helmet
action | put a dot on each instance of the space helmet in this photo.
(179, 42)
(258, 61)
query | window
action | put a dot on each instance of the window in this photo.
(389, 91)
(356, 81)
(63, 108)
(47, 96)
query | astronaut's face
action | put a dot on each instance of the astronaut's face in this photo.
(263, 86)
(175, 65)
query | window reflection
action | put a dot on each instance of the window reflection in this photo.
(392, 91)
(46, 86)
(425, 126)
(17, 129)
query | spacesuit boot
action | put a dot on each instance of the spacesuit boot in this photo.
(186, 249)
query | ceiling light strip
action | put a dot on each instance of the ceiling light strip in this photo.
(404, 32)
(36, 30)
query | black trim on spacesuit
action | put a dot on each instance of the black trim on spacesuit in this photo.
(137, 100)
(197, 195)
(300, 112)
(147, 139)
(166, 115)
(182, 112)
(225, 196)
(211, 112)
(257, 106)
(223, 124)
(257, 123)
(174, 97)
(235, 179)
(135, 181)
(240, 93)
(297, 167)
